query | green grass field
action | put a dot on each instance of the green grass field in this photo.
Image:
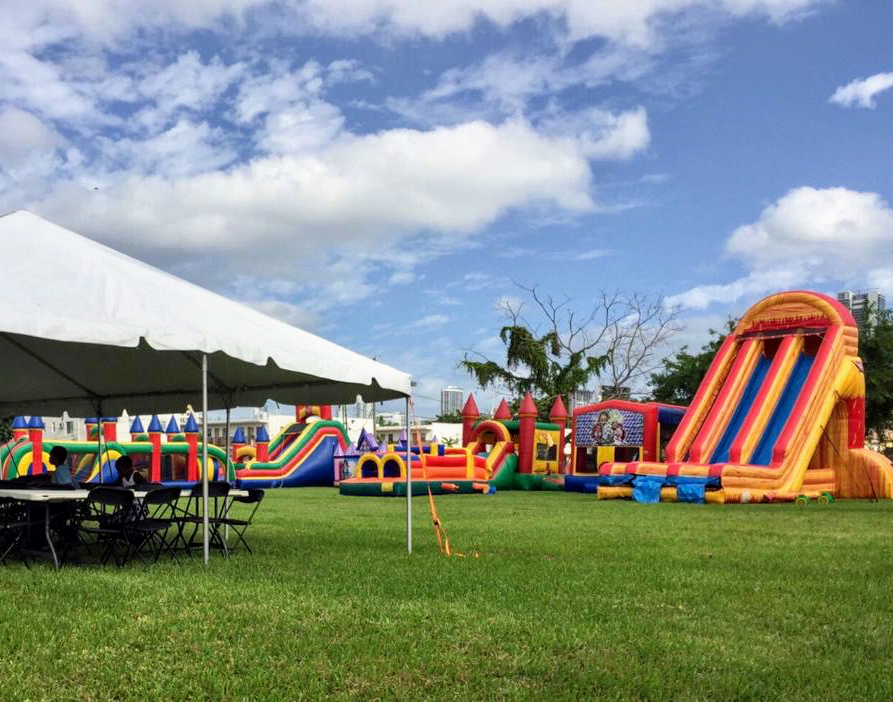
(569, 599)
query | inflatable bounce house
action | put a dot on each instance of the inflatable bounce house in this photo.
(617, 431)
(173, 460)
(779, 416)
(499, 453)
(302, 454)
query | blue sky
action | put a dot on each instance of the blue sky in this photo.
(379, 171)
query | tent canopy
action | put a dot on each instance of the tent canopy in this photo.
(86, 329)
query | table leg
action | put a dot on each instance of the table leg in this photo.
(46, 531)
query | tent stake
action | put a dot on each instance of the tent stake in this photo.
(204, 465)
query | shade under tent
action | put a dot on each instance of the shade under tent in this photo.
(88, 330)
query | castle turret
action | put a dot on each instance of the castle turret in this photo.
(172, 428)
(136, 428)
(191, 431)
(35, 436)
(503, 412)
(19, 428)
(91, 424)
(262, 440)
(238, 441)
(338, 459)
(526, 434)
(109, 428)
(558, 415)
(470, 415)
(155, 432)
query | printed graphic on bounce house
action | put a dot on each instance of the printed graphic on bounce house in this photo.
(611, 427)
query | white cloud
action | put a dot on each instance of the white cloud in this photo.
(362, 194)
(22, 135)
(277, 89)
(189, 83)
(836, 229)
(862, 91)
(300, 129)
(185, 149)
(431, 321)
(807, 237)
(40, 87)
(632, 22)
(752, 285)
(472, 282)
(402, 278)
(602, 134)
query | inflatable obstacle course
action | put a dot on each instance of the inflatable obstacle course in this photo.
(496, 454)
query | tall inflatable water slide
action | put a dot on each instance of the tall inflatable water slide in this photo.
(779, 415)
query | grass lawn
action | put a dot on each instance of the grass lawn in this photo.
(570, 598)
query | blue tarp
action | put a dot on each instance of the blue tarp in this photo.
(647, 488)
(690, 492)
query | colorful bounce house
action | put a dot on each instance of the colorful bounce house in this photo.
(779, 416)
(617, 431)
(168, 456)
(499, 453)
(302, 454)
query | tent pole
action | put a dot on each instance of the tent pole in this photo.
(205, 455)
(99, 442)
(409, 479)
(226, 470)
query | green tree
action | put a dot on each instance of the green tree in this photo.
(5, 429)
(449, 418)
(561, 350)
(876, 351)
(678, 381)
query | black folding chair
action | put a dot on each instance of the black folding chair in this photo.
(240, 526)
(218, 491)
(13, 528)
(107, 513)
(157, 514)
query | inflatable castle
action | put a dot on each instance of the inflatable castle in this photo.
(779, 416)
(499, 453)
(170, 455)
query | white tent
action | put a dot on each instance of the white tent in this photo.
(59, 287)
(86, 329)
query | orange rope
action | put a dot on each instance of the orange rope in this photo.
(443, 541)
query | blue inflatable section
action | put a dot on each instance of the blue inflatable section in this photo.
(763, 453)
(646, 488)
(757, 375)
(317, 468)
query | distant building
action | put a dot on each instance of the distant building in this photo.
(361, 409)
(859, 303)
(451, 400)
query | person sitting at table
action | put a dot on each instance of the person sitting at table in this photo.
(61, 472)
(127, 476)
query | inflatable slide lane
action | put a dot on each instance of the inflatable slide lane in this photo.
(779, 415)
(299, 456)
